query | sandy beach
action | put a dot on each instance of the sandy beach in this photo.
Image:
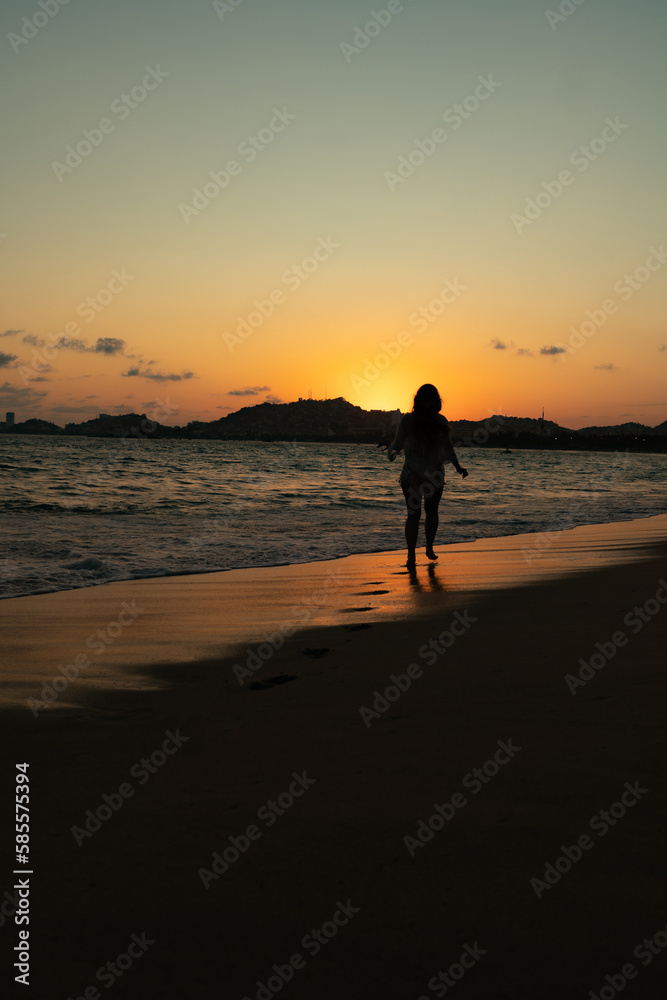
(339, 779)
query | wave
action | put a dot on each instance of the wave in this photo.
(182, 510)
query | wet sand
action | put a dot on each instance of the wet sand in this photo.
(482, 643)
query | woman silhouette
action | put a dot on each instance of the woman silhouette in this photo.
(423, 436)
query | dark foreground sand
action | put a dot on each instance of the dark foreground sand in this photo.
(365, 782)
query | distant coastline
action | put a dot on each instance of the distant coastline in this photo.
(340, 422)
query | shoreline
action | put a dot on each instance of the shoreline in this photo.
(443, 546)
(118, 634)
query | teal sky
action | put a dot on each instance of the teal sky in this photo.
(325, 175)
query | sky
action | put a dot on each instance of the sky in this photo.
(211, 205)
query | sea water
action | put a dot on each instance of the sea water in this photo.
(82, 511)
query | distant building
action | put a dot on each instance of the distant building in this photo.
(9, 419)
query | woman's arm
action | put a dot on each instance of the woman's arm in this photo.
(398, 442)
(450, 456)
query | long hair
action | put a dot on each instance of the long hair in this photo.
(425, 426)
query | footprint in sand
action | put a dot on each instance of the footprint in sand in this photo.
(271, 682)
(347, 610)
(355, 628)
(370, 593)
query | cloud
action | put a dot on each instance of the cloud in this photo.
(103, 345)
(606, 368)
(15, 396)
(273, 399)
(156, 376)
(109, 345)
(501, 345)
(224, 407)
(39, 378)
(663, 347)
(250, 390)
(71, 344)
(10, 333)
(7, 360)
(553, 350)
(34, 369)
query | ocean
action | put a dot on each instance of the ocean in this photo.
(77, 512)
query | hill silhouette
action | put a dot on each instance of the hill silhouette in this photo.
(337, 420)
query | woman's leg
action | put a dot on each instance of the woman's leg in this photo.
(432, 521)
(411, 532)
(413, 503)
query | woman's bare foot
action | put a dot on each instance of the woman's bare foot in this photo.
(412, 562)
(430, 553)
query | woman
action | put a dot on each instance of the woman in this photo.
(423, 436)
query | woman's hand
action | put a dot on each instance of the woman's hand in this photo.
(391, 453)
(462, 472)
